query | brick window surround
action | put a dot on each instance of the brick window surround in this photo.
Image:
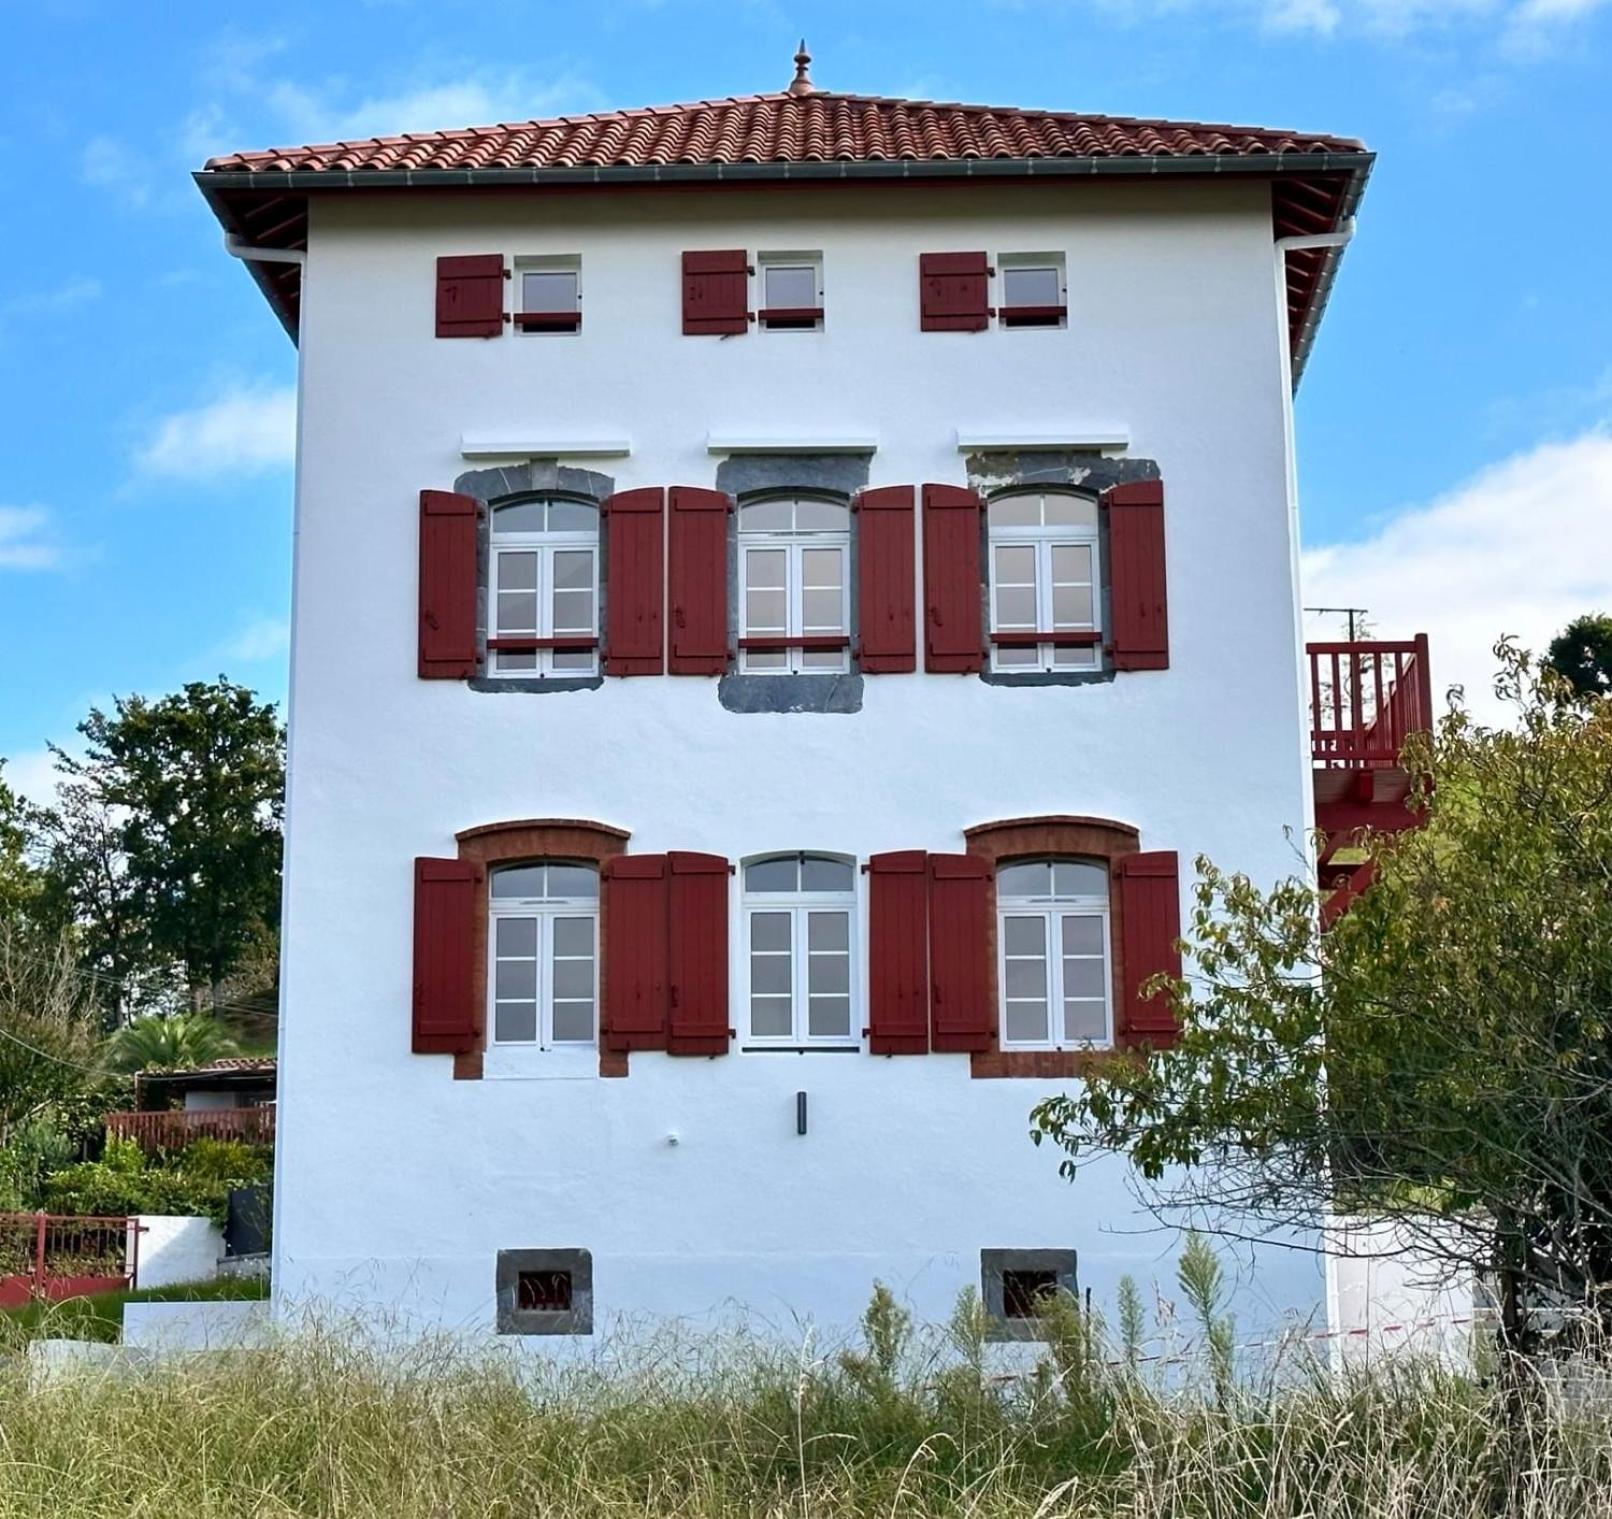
(493, 844)
(1057, 837)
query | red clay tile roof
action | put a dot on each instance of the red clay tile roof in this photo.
(228, 1065)
(784, 128)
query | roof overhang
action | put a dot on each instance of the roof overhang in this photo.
(1311, 193)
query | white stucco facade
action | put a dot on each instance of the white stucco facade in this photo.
(687, 1180)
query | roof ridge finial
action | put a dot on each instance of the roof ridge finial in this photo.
(802, 82)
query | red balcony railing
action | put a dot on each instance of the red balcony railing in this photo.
(1366, 699)
(56, 1256)
(173, 1128)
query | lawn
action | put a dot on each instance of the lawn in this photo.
(100, 1316)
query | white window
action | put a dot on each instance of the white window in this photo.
(1033, 291)
(548, 294)
(1044, 581)
(800, 920)
(1052, 937)
(543, 949)
(791, 291)
(544, 581)
(794, 586)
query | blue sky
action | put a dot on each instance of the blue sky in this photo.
(1455, 463)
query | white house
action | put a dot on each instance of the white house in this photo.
(784, 588)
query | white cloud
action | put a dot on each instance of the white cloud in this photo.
(78, 291)
(1519, 548)
(25, 541)
(262, 638)
(247, 427)
(111, 165)
(32, 775)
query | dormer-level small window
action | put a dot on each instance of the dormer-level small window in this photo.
(1033, 292)
(548, 294)
(791, 292)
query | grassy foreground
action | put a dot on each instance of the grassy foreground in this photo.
(901, 1428)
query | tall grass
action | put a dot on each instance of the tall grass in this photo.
(901, 1426)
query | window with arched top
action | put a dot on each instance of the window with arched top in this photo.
(543, 617)
(794, 585)
(800, 930)
(1045, 582)
(1052, 947)
(543, 952)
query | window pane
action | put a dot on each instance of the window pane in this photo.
(1082, 936)
(1071, 606)
(519, 517)
(1015, 564)
(1032, 287)
(1071, 511)
(566, 660)
(828, 973)
(821, 568)
(822, 612)
(1026, 1022)
(770, 975)
(517, 612)
(822, 659)
(769, 930)
(1084, 1021)
(1032, 879)
(1008, 659)
(517, 572)
(822, 516)
(573, 980)
(573, 517)
(1014, 511)
(509, 663)
(772, 875)
(765, 568)
(767, 517)
(770, 1017)
(1024, 936)
(828, 1017)
(826, 875)
(515, 1022)
(573, 936)
(515, 936)
(1083, 979)
(1075, 659)
(828, 931)
(755, 659)
(573, 1022)
(573, 612)
(1025, 979)
(764, 612)
(549, 290)
(573, 570)
(518, 881)
(1015, 607)
(573, 881)
(791, 285)
(1074, 878)
(1071, 563)
(515, 979)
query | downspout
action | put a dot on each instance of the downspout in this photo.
(236, 248)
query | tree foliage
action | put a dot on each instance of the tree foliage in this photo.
(1582, 655)
(1441, 1056)
(49, 1029)
(155, 1043)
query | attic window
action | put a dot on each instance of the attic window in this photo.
(1033, 290)
(548, 294)
(791, 292)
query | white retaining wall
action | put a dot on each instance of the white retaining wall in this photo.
(175, 1249)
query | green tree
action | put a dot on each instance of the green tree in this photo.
(1440, 1058)
(192, 785)
(49, 1029)
(1582, 655)
(25, 897)
(153, 1042)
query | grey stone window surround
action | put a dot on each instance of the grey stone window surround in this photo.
(993, 1263)
(509, 483)
(513, 1319)
(754, 477)
(992, 474)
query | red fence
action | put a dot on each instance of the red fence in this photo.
(1366, 699)
(56, 1256)
(173, 1128)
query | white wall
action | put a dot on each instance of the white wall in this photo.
(168, 1328)
(398, 1184)
(209, 1102)
(177, 1249)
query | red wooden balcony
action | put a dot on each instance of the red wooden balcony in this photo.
(174, 1128)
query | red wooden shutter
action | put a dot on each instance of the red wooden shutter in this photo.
(699, 581)
(635, 950)
(886, 592)
(952, 631)
(716, 292)
(1150, 923)
(954, 292)
(898, 953)
(1140, 639)
(698, 957)
(470, 296)
(636, 590)
(961, 1008)
(446, 1018)
(447, 586)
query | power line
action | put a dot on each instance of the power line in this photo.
(77, 1065)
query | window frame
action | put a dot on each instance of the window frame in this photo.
(1052, 910)
(545, 543)
(553, 323)
(793, 542)
(801, 318)
(546, 910)
(1041, 318)
(799, 905)
(1043, 541)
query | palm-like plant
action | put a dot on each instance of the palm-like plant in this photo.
(158, 1043)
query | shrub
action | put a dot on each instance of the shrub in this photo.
(195, 1181)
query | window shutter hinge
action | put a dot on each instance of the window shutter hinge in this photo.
(509, 273)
